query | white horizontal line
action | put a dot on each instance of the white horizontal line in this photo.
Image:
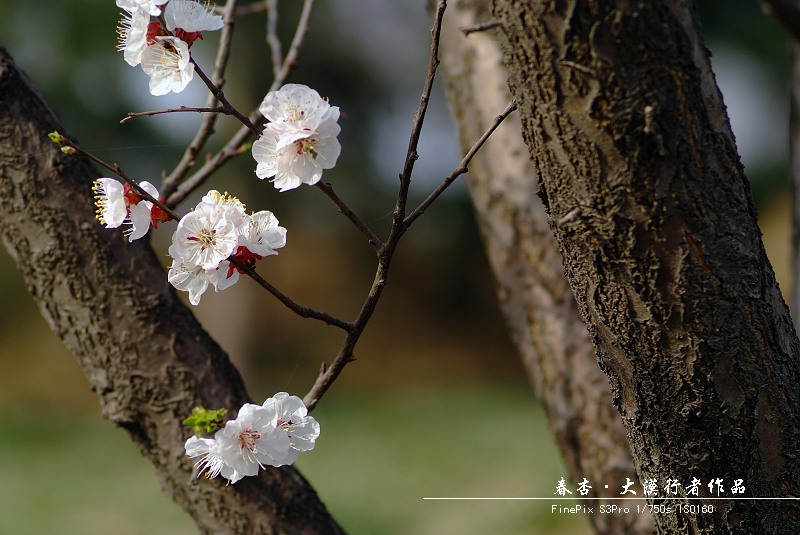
(605, 499)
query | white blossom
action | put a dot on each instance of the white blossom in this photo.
(219, 228)
(115, 207)
(191, 16)
(112, 208)
(151, 7)
(293, 419)
(168, 64)
(204, 237)
(139, 214)
(132, 32)
(139, 219)
(271, 434)
(211, 460)
(234, 208)
(195, 280)
(296, 103)
(261, 234)
(250, 441)
(300, 141)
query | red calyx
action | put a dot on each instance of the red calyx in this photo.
(157, 215)
(188, 37)
(246, 257)
(131, 197)
(155, 29)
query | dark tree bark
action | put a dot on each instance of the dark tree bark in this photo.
(540, 312)
(109, 301)
(648, 201)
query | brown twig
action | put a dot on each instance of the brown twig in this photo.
(386, 252)
(480, 27)
(117, 170)
(136, 115)
(219, 94)
(290, 60)
(236, 144)
(273, 41)
(349, 214)
(300, 310)
(419, 118)
(461, 168)
(249, 9)
(206, 129)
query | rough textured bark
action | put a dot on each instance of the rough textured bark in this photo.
(536, 300)
(145, 355)
(655, 221)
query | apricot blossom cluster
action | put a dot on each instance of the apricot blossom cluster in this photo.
(162, 46)
(271, 434)
(218, 240)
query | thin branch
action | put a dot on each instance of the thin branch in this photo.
(345, 356)
(249, 9)
(385, 254)
(348, 213)
(272, 37)
(220, 96)
(136, 115)
(290, 60)
(461, 168)
(300, 310)
(303, 311)
(117, 170)
(236, 145)
(419, 118)
(209, 121)
(481, 26)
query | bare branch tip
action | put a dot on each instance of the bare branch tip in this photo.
(481, 27)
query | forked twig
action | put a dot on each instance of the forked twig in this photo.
(385, 254)
(219, 94)
(237, 143)
(349, 214)
(272, 36)
(461, 168)
(419, 118)
(300, 310)
(481, 26)
(137, 114)
(206, 129)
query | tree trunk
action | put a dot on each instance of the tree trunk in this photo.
(655, 221)
(109, 301)
(538, 306)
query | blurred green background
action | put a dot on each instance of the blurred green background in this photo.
(437, 403)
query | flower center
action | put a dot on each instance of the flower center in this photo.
(206, 238)
(248, 439)
(306, 146)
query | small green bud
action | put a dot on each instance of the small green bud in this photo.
(69, 151)
(205, 421)
(55, 137)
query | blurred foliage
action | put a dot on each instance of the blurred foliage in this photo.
(432, 406)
